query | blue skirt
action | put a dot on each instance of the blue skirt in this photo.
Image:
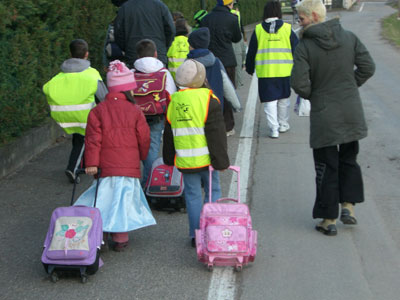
(122, 203)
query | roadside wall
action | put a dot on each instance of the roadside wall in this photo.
(16, 154)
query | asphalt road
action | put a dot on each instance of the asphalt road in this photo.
(293, 261)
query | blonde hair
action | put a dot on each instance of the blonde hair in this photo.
(306, 7)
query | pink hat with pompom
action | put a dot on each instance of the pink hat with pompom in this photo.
(119, 77)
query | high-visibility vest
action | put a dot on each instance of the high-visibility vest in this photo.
(274, 54)
(236, 12)
(187, 113)
(177, 53)
(71, 97)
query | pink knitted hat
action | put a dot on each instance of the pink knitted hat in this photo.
(119, 77)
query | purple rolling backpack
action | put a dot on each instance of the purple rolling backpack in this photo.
(74, 239)
(226, 236)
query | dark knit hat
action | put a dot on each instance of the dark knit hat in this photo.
(200, 38)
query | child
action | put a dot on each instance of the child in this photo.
(270, 55)
(239, 48)
(71, 95)
(215, 71)
(195, 118)
(148, 63)
(179, 48)
(198, 16)
(117, 138)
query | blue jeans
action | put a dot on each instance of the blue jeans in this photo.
(193, 195)
(156, 130)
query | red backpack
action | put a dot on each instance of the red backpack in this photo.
(150, 93)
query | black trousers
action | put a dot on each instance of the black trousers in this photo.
(75, 158)
(228, 111)
(338, 179)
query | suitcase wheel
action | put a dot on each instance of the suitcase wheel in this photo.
(210, 267)
(238, 268)
(54, 277)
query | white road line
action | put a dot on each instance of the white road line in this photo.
(222, 285)
(361, 7)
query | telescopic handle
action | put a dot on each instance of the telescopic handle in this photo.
(233, 168)
(83, 171)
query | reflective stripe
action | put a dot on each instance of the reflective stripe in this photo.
(172, 69)
(67, 125)
(192, 152)
(274, 61)
(72, 107)
(188, 131)
(274, 50)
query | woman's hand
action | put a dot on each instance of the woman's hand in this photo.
(91, 170)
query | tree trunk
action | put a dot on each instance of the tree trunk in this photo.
(398, 6)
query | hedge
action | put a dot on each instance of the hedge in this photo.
(34, 39)
(251, 10)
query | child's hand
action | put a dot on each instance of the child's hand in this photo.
(91, 170)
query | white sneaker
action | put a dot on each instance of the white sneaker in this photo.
(232, 132)
(274, 134)
(284, 128)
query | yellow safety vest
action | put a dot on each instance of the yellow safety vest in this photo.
(71, 97)
(274, 54)
(236, 12)
(187, 113)
(177, 53)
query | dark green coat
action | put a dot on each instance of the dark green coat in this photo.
(330, 63)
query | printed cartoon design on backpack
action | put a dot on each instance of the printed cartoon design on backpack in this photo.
(150, 93)
(71, 233)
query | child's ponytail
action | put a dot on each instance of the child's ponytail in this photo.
(129, 96)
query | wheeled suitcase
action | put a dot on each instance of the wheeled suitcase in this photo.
(164, 189)
(226, 236)
(74, 239)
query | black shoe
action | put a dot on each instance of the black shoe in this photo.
(330, 230)
(71, 176)
(347, 218)
(193, 242)
(120, 247)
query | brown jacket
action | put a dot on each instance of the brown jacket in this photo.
(216, 139)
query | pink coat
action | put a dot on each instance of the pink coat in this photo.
(117, 137)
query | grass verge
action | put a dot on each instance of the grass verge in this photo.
(391, 29)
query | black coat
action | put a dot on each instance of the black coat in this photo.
(330, 64)
(224, 30)
(140, 19)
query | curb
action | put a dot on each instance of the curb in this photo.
(18, 153)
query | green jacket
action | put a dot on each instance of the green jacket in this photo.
(330, 63)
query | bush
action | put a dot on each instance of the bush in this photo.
(251, 10)
(34, 39)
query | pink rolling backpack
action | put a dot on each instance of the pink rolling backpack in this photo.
(226, 236)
